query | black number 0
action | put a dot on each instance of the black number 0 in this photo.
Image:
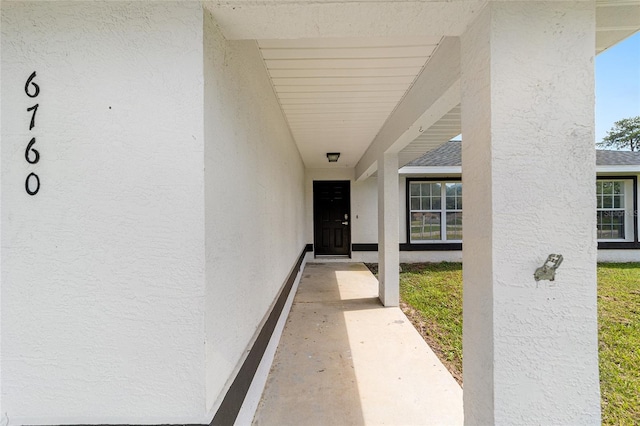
(35, 152)
(26, 184)
(35, 86)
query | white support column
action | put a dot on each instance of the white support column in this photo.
(530, 348)
(388, 230)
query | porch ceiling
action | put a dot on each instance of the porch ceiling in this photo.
(443, 130)
(337, 93)
(344, 71)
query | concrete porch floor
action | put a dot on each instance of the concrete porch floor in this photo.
(344, 359)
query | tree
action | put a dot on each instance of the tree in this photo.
(624, 134)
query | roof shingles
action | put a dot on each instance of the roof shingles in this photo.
(449, 154)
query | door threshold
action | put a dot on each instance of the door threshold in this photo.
(332, 256)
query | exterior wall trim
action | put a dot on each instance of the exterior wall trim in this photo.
(411, 247)
(425, 170)
(420, 170)
(619, 246)
(618, 169)
(232, 402)
(431, 247)
(365, 247)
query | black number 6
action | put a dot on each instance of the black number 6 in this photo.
(30, 82)
(26, 184)
(35, 152)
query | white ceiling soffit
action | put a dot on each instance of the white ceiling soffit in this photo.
(339, 68)
(337, 93)
(449, 126)
(615, 21)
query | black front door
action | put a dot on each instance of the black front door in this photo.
(332, 218)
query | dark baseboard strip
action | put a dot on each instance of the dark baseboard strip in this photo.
(618, 246)
(411, 247)
(611, 245)
(431, 247)
(122, 424)
(232, 402)
(230, 407)
(364, 247)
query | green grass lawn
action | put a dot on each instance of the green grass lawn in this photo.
(431, 296)
(619, 341)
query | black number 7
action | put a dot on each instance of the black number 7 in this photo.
(33, 117)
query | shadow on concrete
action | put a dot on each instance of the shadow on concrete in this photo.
(344, 359)
(312, 380)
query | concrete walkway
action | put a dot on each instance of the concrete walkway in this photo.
(344, 359)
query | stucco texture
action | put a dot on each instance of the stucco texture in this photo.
(254, 191)
(530, 348)
(103, 269)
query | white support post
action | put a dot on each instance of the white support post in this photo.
(388, 230)
(528, 160)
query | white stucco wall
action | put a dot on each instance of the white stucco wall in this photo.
(364, 211)
(530, 348)
(254, 190)
(431, 256)
(103, 269)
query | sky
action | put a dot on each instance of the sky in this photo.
(617, 84)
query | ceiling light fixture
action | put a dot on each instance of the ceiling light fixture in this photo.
(333, 157)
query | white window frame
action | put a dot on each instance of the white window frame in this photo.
(443, 211)
(629, 225)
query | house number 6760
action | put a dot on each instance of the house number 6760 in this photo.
(31, 155)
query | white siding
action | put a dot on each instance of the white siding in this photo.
(364, 211)
(619, 256)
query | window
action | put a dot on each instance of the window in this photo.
(614, 201)
(435, 211)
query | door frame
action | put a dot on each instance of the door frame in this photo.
(315, 214)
